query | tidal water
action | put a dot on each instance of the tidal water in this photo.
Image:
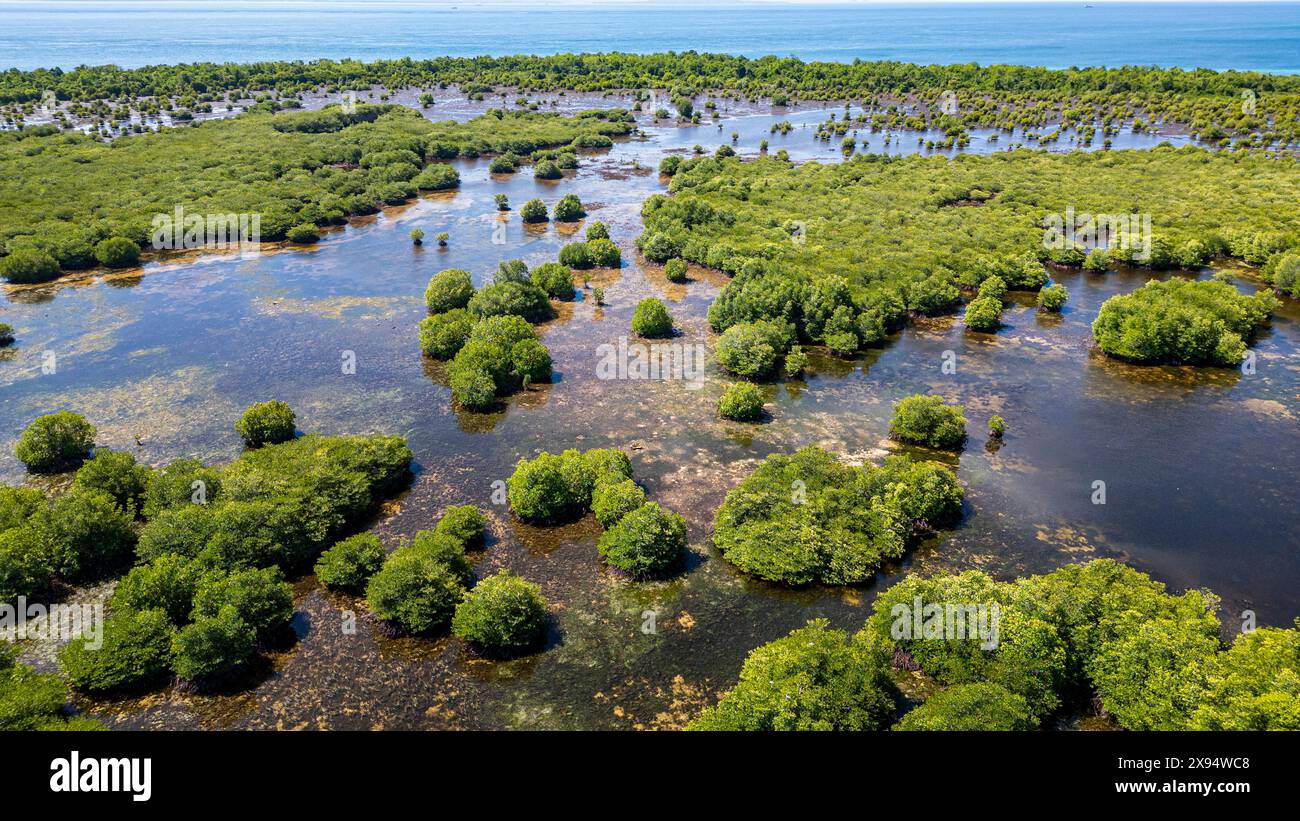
(1199, 464)
(69, 33)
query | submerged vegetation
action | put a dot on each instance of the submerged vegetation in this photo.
(1152, 660)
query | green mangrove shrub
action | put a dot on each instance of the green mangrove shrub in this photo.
(812, 679)
(1052, 298)
(55, 441)
(1182, 322)
(926, 420)
(647, 541)
(503, 614)
(350, 563)
(741, 401)
(266, 423)
(135, 651)
(448, 290)
(651, 319)
(980, 706)
(806, 517)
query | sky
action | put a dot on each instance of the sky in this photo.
(693, 3)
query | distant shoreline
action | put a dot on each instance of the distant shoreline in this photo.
(1262, 35)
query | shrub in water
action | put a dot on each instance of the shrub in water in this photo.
(518, 298)
(261, 598)
(675, 269)
(926, 420)
(533, 211)
(473, 389)
(117, 252)
(997, 426)
(464, 523)
(55, 442)
(839, 527)
(934, 295)
(28, 265)
(612, 500)
(266, 423)
(183, 482)
(604, 253)
(1182, 322)
(504, 164)
(547, 170)
(754, 349)
(1052, 298)
(539, 492)
(503, 613)
(349, 564)
(437, 177)
(812, 679)
(984, 314)
(448, 290)
(651, 319)
(646, 541)
(213, 647)
(531, 361)
(553, 488)
(444, 548)
(117, 474)
(443, 335)
(136, 651)
(569, 209)
(576, 255)
(555, 278)
(304, 234)
(168, 584)
(414, 592)
(741, 401)
(982, 706)
(994, 288)
(88, 533)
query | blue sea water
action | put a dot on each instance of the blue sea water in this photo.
(67, 33)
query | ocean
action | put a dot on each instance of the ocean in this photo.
(68, 33)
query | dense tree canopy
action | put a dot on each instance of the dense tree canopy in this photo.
(300, 169)
(842, 252)
(1011, 655)
(808, 517)
(1197, 323)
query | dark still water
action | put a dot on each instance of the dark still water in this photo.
(68, 33)
(1199, 464)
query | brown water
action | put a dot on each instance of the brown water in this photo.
(1199, 464)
